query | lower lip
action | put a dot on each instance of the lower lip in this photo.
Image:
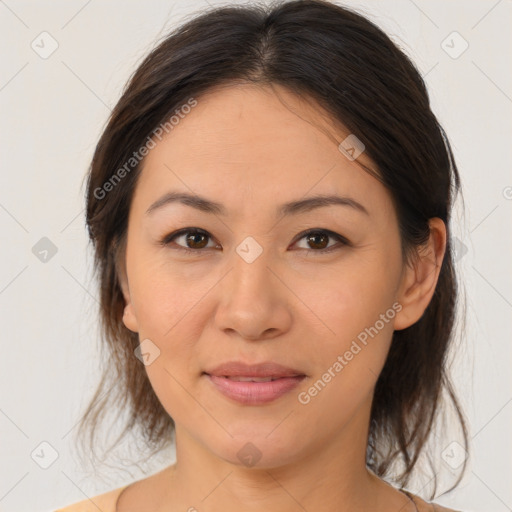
(253, 393)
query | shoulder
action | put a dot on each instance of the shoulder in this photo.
(138, 495)
(435, 507)
(424, 506)
(439, 508)
(105, 502)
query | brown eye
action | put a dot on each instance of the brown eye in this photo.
(193, 239)
(196, 239)
(318, 240)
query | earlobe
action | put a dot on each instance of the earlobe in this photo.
(419, 279)
(129, 318)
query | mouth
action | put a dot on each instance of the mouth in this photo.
(249, 379)
(254, 384)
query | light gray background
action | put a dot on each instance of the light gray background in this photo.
(52, 113)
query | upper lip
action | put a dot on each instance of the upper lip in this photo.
(265, 369)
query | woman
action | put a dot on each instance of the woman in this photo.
(269, 206)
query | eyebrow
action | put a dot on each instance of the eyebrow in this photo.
(286, 209)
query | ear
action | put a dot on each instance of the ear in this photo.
(129, 317)
(419, 279)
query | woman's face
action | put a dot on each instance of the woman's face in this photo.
(254, 288)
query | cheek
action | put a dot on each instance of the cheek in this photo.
(352, 296)
(166, 310)
(348, 361)
(169, 306)
(160, 297)
(173, 392)
(355, 313)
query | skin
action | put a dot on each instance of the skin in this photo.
(252, 148)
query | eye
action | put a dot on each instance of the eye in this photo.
(319, 237)
(195, 240)
(196, 237)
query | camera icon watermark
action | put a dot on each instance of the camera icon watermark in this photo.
(249, 249)
(351, 147)
(44, 455)
(147, 352)
(454, 455)
(460, 249)
(44, 45)
(454, 45)
(44, 250)
(249, 455)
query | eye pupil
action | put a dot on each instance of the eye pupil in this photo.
(314, 236)
(192, 235)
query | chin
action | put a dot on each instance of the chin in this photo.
(258, 450)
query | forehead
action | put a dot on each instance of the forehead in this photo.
(245, 143)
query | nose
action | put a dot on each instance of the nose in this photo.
(254, 303)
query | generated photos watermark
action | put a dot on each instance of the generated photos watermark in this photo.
(138, 156)
(304, 397)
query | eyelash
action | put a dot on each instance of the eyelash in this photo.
(166, 241)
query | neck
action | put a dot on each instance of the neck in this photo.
(325, 475)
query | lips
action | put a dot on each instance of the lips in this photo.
(251, 379)
(261, 370)
(254, 384)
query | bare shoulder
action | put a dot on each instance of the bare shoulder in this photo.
(126, 498)
(424, 506)
(439, 508)
(147, 493)
(105, 502)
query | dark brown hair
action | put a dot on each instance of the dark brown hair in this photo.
(348, 66)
